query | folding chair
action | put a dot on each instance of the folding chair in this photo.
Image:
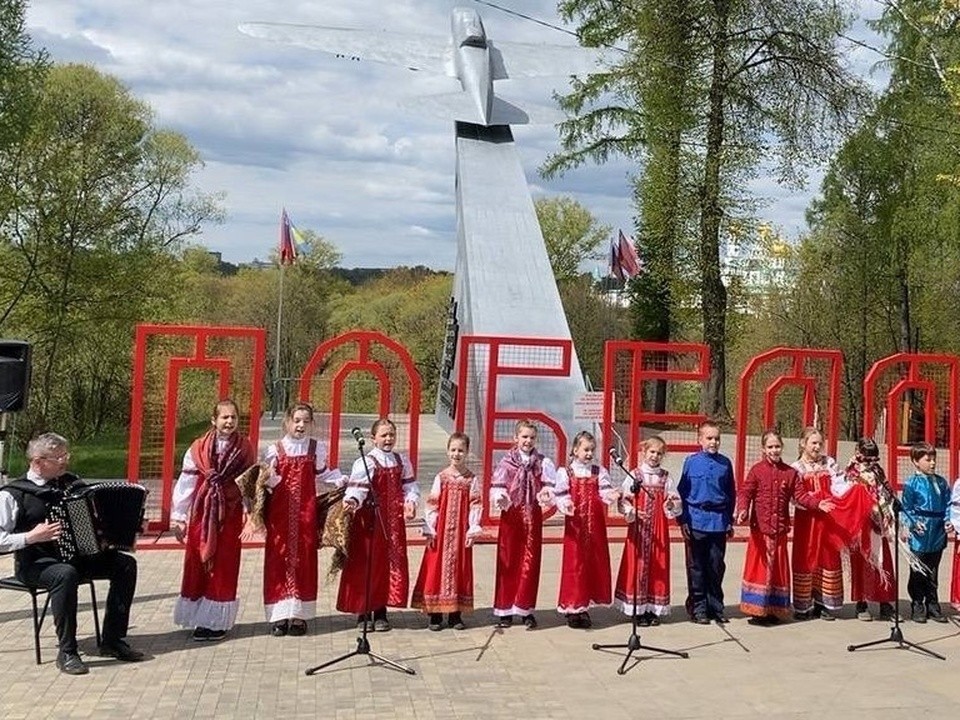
(11, 583)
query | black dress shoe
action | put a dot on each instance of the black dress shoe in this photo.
(505, 621)
(121, 651)
(721, 619)
(456, 621)
(280, 629)
(298, 628)
(200, 634)
(700, 620)
(71, 664)
(530, 622)
(887, 611)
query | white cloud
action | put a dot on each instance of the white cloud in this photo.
(282, 126)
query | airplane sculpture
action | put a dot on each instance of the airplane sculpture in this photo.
(502, 262)
(468, 55)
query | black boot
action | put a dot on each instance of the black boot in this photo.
(918, 612)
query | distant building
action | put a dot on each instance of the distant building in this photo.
(759, 264)
(258, 264)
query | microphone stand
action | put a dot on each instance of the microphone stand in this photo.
(363, 644)
(896, 634)
(633, 642)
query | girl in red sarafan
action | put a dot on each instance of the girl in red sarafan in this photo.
(298, 467)
(208, 514)
(765, 500)
(817, 566)
(582, 491)
(646, 550)
(522, 485)
(871, 559)
(397, 495)
(451, 523)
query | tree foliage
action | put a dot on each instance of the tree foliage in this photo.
(101, 203)
(749, 81)
(410, 306)
(571, 233)
(22, 71)
(882, 252)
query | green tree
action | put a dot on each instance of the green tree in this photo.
(593, 318)
(886, 223)
(22, 71)
(759, 80)
(571, 233)
(102, 204)
(409, 306)
(251, 298)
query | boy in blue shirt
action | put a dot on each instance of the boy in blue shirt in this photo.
(708, 492)
(925, 514)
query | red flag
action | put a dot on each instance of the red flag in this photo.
(629, 260)
(616, 266)
(288, 251)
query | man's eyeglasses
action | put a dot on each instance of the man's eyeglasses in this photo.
(56, 458)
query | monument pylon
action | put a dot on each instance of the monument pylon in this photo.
(503, 284)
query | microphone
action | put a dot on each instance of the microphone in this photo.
(636, 486)
(357, 435)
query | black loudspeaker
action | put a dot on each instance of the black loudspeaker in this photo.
(14, 375)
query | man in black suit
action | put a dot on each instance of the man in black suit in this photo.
(27, 530)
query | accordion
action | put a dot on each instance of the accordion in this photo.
(99, 517)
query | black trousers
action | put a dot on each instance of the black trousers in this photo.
(707, 567)
(921, 588)
(62, 580)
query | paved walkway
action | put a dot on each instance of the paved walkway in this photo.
(793, 671)
(799, 670)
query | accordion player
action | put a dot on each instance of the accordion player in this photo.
(98, 517)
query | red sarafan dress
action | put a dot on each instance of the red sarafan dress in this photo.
(394, 484)
(519, 478)
(766, 494)
(445, 581)
(206, 496)
(646, 548)
(871, 562)
(817, 567)
(584, 491)
(298, 470)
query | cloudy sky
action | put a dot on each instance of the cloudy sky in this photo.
(284, 126)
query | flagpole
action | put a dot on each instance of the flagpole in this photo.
(276, 364)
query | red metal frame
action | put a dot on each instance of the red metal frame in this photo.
(175, 367)
(365, 340)
(494, 371)
(913, 381)
(797, 377)
(638, 375)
